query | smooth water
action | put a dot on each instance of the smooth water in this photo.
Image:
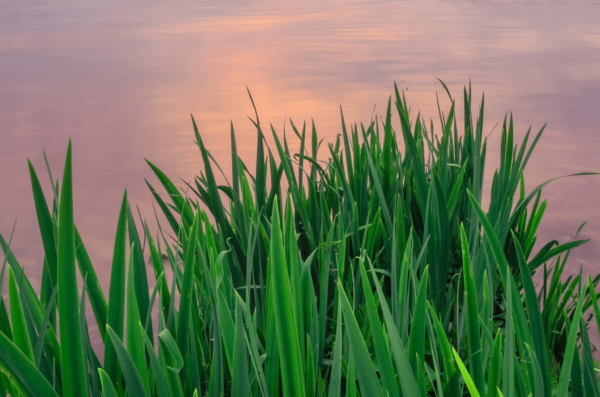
(121, 79)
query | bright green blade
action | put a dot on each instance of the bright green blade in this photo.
(285, 318)
(74, 376)
(535, 319)
(185, 303)
(367, 377)
(116, 297)
(382, 353)
(135, 386)
(468, 380)
(162, 387)
(19, 326)
(416, 341)
(108, 389)
(133, 337)
(24, 374)
(473, 332)
(565, 371)
(240, 384)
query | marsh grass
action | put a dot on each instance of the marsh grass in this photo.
(373, 273)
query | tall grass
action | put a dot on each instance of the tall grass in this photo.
(375, 272)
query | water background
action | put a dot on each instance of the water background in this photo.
(121, 79)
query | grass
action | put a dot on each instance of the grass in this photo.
(374, 272)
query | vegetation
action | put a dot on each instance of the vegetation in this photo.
(373, 273)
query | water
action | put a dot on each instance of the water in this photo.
(121, 79)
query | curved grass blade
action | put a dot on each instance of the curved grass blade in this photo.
(183, 208)
(535, 319)
(24, 374)
(108, 389)
(45, 223)
(468, 380)
(135, 386)
(94, 290)
(408, 383)
(367, 377)
(162, 387)
(382, 354)
(565, 371)
(173, 361)
(17, 317)
(39, 345)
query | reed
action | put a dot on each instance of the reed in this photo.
(375, 272)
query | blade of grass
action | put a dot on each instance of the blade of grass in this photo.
(74, 378)
(240, 384)
(384, 361)
(116, 296)
(367, 377)
(19, 326)
(135, 385)
(285, 318)
(473, 333)
(25, 375)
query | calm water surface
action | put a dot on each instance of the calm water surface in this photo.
(121, 79)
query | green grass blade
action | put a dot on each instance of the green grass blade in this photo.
(17, 316)
(162, 387)
(382, 354)
(447, 356)
(39, 345)
(473, 332)
(25, 375)
(116, 295)
(141, 278)
(74, 377)
(135, 385)
(565, 371)
(594, 303)
(240, 384)
(495, 369)
(183, 208)
(133, 340)
(94, 290)
(408, 382)
(335, 383)
(285, 319)
(468, 380)
(508, 377)
(173, 361)
(45, 223)
(456, 190)
(367, 377)
(108, 389)
(416, 341)
(185, 303)
(535, 319)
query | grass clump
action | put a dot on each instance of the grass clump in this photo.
(373, 273)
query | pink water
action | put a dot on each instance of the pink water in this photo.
(121, 79)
